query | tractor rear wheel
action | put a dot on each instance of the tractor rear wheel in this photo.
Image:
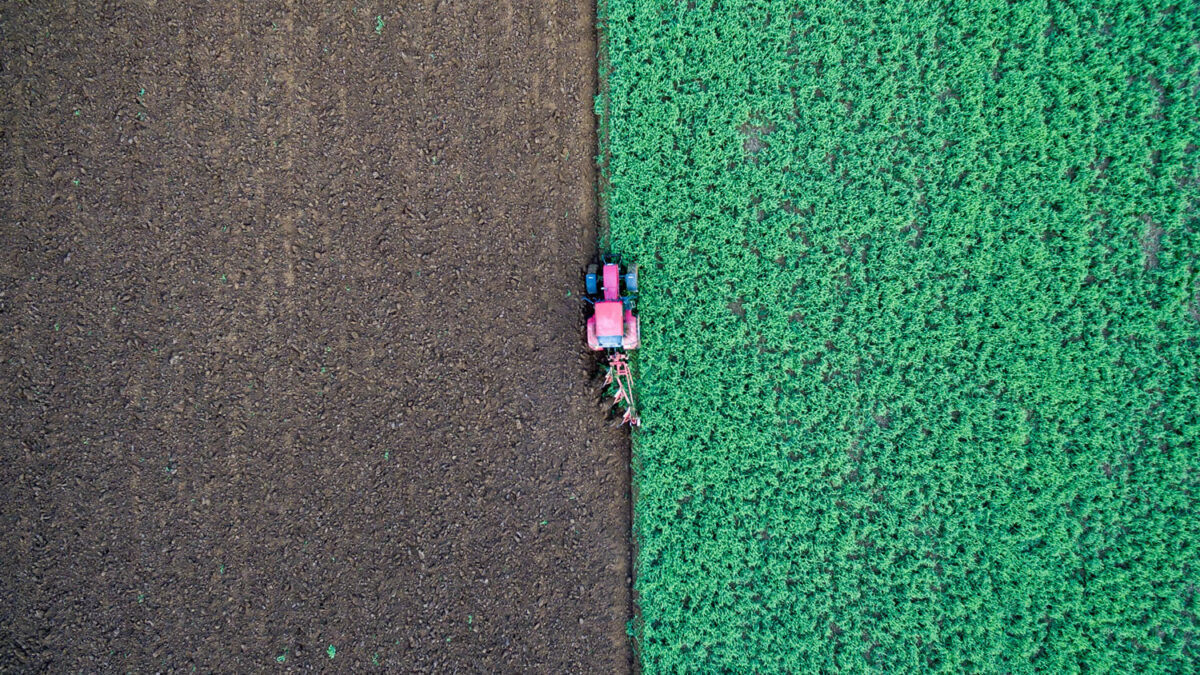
(631, 279)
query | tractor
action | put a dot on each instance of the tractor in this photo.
(612, 326)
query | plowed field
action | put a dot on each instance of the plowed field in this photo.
(290, 373)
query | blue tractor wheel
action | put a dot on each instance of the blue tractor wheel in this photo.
(631, 279)
(593, 286)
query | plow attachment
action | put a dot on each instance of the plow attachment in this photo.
(618, 372)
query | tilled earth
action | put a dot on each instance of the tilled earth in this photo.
(291, 366)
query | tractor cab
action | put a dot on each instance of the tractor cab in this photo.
(612, 291)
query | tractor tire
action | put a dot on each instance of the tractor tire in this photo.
(631, 279)
(592, 280)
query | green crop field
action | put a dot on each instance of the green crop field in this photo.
(921, 315)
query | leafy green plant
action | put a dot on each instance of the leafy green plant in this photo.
(921, 315)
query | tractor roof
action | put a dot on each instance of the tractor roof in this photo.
(610, 318)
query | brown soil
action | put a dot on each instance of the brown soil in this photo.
(288, 355)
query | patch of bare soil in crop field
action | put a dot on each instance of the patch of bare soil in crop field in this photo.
(291, 374)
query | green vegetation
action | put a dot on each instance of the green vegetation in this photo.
(921, 316)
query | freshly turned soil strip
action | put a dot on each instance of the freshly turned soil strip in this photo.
(291, 363)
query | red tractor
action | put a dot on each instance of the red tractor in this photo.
(612, 326)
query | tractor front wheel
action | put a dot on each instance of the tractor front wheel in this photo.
(591, 280)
